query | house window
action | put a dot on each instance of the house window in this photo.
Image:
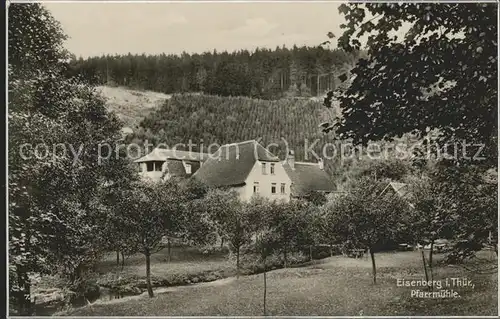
(256, 187)
(158, 166)
(154, 166)
(273, 188)
(282, 188)
(188, 168)
(264, 169)
(272, 169)
(150, 166)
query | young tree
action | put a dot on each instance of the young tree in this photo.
(114, 233)
(266, 245)
(327, 224)
(150, 211)
(429, 219)
(238, 233)
(231, 219)
(313, 229)
(260, 211)
(442, 211)
(367, 217)
(294, 226)
(195, 223)
(475, 216)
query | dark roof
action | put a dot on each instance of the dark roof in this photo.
(176, 167)
(307, 177)
(160, 154)
(232, 163)
(401, 189)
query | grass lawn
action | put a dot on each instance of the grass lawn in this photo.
(334, 286)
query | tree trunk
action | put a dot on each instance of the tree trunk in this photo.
(117, 258)
(431, 252)
(77, 273)
(169, 250)
(221, 243)
(425, 266)
(148, 274)
(265, 287)
(374, 267)
(310, 253)
(123, 260)
(285, 259)
(237, 262)
(24, 294)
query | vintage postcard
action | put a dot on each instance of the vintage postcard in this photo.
(252, 158)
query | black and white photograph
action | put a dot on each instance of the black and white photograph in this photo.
(252, 158)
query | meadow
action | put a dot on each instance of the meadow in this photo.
(336, 285)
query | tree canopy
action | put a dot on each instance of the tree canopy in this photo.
(440, 74)
(55, 174)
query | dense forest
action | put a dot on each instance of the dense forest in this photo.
(263, 73)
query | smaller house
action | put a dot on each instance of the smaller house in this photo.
(167, 163)
(400, 189)
(307, 177)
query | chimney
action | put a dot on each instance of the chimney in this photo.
(321, 164)
(290, 159)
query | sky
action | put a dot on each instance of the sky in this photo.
(153, 28)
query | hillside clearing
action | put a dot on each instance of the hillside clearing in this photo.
(132, 106)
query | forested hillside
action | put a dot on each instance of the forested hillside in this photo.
(206, 119)
(263, 73)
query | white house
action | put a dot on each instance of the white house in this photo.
(166, 163)
(248, 168)
(251, 170)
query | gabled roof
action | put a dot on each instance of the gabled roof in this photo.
(232, 163)
(400, 188)
(308, 177)
(177, 167)
(161, 154)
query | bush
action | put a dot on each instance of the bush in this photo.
(214, 250)
(252, 264)
(322, 251)
(84, 290)
(293, 91)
